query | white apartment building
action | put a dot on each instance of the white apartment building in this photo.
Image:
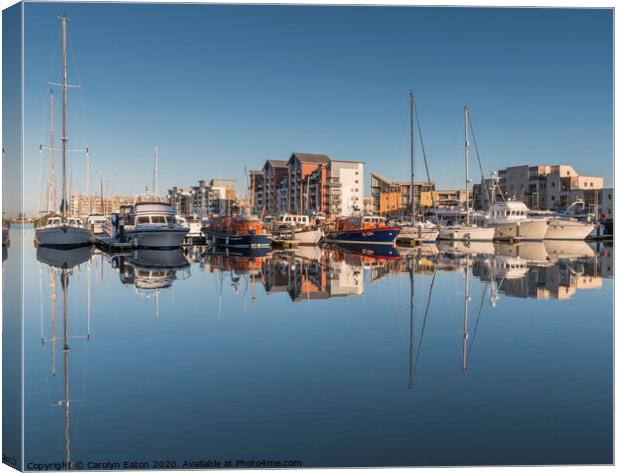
(346, 191)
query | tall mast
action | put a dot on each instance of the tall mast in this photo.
(88, 183)
(64, 138)
(411, 136)
(51, 196)
(466, 112)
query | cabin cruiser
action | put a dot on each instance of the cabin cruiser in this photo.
(99, 224)
(566, 224)
(511, 221)
(194, 226)
(298, 228)
(568, 229)
(150, 223)
(59, 232)
(367, 230)
(240, 231)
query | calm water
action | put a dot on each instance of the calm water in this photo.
(450, 356)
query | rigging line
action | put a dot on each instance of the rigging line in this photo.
(428, 305)
(473, 338)
(428, 175)
(79, 81)
(403, 138)
(44, 109)
(484, 182)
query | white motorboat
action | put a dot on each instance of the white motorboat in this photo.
(298, 228)
(99, 224)
(151, 223)
(63, 232)
(511, 222)
(568, 229)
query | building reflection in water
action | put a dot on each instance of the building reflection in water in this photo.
(535, 270)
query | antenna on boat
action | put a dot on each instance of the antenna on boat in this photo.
(88, 183)
(156, 171)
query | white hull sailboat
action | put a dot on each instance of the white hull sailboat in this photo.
(63, 232)
(423, 231)
(62, 235)
(466, 231)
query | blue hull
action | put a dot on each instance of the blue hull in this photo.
(378, 236)
(377, 251)
(237, 241)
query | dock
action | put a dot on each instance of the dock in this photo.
(112, 244)
(284, 244)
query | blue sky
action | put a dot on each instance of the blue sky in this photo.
(220, 87)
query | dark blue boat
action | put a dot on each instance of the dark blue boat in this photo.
(374, 236)
(237, 241)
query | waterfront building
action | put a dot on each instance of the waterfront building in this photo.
(606, 203)
(541, 187)
(309, 183)
(275, 172)
(81, 205)
(217, 196)
(393, 198)
(256, 190)
(300, 168)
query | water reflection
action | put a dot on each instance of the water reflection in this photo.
(60, 266)
(150, 271)
(356, 338)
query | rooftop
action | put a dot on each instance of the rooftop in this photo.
(311, 157)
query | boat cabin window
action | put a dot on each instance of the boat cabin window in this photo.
(143, 220)
(158, 219)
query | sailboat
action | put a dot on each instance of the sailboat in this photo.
(423, 231)
(466, 231)
(63, 232)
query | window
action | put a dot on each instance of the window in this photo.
(553, 184)
(143, 220)
(158, 219)
(552, 197)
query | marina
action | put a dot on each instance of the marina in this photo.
(227, 244)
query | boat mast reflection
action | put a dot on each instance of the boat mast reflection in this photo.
(61, 264)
